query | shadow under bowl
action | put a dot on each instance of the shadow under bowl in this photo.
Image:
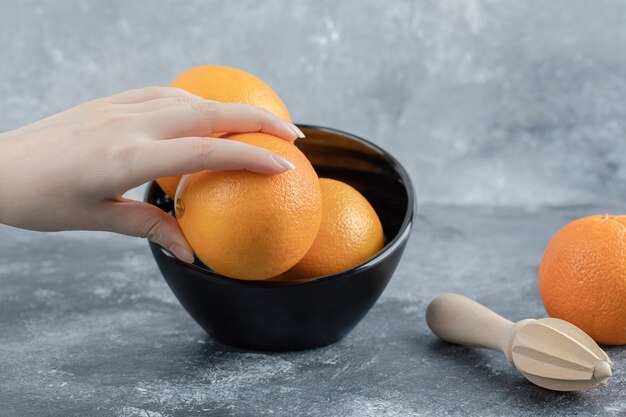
(278, 316)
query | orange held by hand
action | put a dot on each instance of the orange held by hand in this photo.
(247, 225)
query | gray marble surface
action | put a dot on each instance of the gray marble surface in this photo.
(489, 105)
(89, 327)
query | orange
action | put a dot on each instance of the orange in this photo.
(247, 225)
(225, 84)
(169, 184)
(582, 277)
(349, 234)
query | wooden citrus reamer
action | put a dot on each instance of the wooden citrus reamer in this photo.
(549, 352)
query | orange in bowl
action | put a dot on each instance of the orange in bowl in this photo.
(251, 226)
(225, 84)
(349, 234)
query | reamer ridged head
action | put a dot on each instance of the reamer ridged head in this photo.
(557, 355)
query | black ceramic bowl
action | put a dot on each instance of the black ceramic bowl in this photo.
(283, 316)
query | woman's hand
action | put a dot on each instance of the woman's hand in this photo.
(69, 171)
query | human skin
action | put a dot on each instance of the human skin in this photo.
(69, 171)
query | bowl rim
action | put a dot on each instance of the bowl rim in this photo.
(389, 248)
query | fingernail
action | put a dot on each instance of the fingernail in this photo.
(284, 162)
(295, 129)
(182, 253)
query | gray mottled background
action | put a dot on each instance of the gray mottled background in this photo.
(486, 102)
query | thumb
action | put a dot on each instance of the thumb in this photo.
(135, 218)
